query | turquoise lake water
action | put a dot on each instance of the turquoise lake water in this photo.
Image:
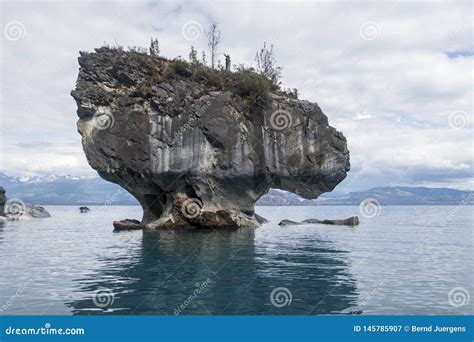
(404, 261)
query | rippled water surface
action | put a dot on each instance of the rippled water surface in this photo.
(406, 260)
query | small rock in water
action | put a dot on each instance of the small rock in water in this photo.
(36, 211)
(288, 223)
(351, 221)
(128, 224)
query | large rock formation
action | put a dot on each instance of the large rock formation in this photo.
(195, 152)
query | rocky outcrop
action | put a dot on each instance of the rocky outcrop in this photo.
(15, 209)
(194, 152)
(351, 221)
(128, 225)
(36, 211)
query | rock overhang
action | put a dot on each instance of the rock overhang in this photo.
(177, 141)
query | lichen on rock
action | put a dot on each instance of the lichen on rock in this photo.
(195, 152)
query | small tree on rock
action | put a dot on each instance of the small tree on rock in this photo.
(154, 47)
(266, 64)
(213, 39)
(193, 56)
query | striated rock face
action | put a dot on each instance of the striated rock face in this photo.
(195, 154)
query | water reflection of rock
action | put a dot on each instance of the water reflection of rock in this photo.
(226, 272)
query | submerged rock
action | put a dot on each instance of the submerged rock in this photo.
(196, 153)
(351, 221)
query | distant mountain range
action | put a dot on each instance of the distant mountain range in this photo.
(72, 190)
(396, 195)
(65, 190)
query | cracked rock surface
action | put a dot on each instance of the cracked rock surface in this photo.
(197, 155)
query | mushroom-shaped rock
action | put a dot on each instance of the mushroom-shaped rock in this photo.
(197, 151)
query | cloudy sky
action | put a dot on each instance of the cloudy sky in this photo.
(395, 77)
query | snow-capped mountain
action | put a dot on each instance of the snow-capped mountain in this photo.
(65, 190)
(42, 179)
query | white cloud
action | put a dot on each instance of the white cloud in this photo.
(391, 96)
